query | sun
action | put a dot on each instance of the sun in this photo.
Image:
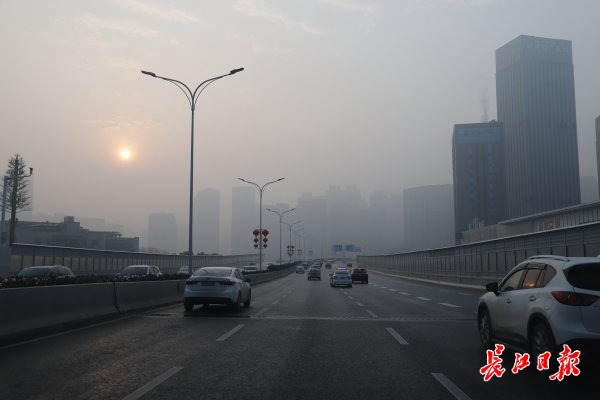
(125, 154)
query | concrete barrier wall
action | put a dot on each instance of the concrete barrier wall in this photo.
(27, 310)
(132, 296)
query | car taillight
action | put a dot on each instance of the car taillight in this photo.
(574, 299)
(228, 282)
(191, 282)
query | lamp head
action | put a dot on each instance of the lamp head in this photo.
(149, 73)
(235, 71)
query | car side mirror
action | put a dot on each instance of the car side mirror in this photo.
(492, 287)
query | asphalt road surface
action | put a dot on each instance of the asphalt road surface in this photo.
(389, 339)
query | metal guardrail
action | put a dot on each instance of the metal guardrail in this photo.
(488, 261)
(96, 262)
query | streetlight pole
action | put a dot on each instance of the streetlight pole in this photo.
(192, 98)
(14, 206)
(290, 226)
(260, 191)
(281, 214)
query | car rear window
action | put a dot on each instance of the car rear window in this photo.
(584, 276)
(212, 271)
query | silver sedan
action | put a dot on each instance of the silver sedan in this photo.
(217, 285)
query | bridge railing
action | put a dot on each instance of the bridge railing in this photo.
(488, 261)
(95, 262)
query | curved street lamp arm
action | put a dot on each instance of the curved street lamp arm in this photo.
(269, 183)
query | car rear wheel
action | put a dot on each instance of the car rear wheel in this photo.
(485, 328)
(541, 339)
(189, 306)
(238, 304)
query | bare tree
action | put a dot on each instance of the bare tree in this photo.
(17, 191)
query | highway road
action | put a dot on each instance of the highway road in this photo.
(390, 339)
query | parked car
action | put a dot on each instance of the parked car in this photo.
(185, 271)
(360, 275)
(217, 285)
(340, 278)
(139, 272)
(249, 268)
(46, 274)
(543, 303)
(299, 269)
(314, 273)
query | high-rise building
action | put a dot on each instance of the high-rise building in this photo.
(207, 212)
(162, 232)
(244, 219)
(536, 103)
(428, 217)
(478, 172)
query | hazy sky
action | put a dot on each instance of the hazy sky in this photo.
(333, 92)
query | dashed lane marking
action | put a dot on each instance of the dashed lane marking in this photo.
(450, 386)
(450, 305)
(423, 298)
(152, 384)
(230, 333)
(396, 335)
(372, 314)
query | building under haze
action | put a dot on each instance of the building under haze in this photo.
(428, 217)
(244, 219)
(478, 173)
(536, 103)
(207, 212)
(162, 233)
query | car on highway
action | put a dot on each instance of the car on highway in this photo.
(359, 274)
(185, 271)
(314, 273)
(300, 269)
(340, 278)
(543, 303)
(139, 272)
(249, 268)
(46, 274)
(217, 285)
(327, 265)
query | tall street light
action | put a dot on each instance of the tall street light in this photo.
(290, 226)
(260, 191)
(281, 214)
(192, 98)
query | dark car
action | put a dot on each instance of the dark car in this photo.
(46, 274)
(314, 273)
(360, 275)
(139, 272)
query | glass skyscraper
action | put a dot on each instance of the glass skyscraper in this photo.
(478, 172)
(536, 103)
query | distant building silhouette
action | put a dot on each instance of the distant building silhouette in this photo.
(207, 213)
(478, 174)
(244, 219)
(69, 233)
(589, 189)
(536, 103)
(428, 217)
(162, 232)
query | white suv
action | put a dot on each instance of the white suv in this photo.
(542, 303)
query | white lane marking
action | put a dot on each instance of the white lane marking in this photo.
(261, 312)
(230, 333)
(392, 290)
(152, 384)
(275, 302)
(404, 293)
(423, 298)
(450, 386)
(396, 335)
(450, 305)
(358, 303)
(351, 298)
(383, 287)
(372, 314)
